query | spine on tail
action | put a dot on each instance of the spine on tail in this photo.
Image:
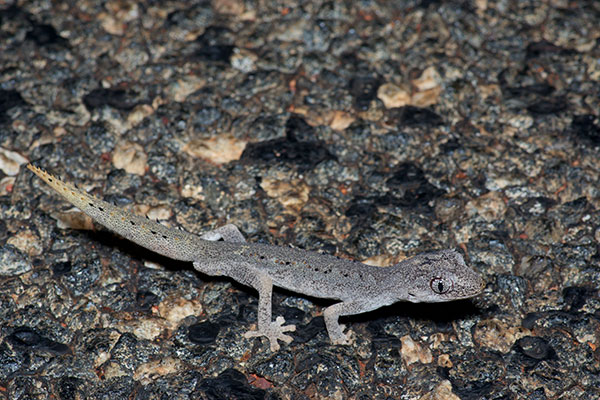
(169, 242)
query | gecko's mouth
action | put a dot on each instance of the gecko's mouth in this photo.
(412, 298)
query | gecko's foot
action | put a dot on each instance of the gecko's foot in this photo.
(274, 331)
(339, 337)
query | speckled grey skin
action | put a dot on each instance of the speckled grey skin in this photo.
(429, 277)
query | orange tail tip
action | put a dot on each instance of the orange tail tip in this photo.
(40, 172)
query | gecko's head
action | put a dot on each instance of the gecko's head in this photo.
(440, 276)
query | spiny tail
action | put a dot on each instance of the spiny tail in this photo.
(169, 242)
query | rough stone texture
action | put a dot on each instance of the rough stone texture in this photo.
(372, 130)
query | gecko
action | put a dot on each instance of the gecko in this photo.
(437, 276)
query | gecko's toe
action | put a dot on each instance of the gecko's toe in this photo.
(274, 332)
(274, 345)
(344, 340)
(340, 337)
(279, 321)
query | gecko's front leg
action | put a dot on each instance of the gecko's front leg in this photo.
(333, 313)
(273, 330)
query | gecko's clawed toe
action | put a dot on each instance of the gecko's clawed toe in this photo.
(274, 332)
(344, 339)
(339, 337)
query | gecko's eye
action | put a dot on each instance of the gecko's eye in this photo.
(440, 285)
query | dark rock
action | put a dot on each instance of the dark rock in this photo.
(203, 333)
(232, 384)
(27, 339)
(413, 116)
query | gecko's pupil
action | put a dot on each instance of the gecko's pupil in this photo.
(440, 286)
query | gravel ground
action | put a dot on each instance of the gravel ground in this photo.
(372, 130)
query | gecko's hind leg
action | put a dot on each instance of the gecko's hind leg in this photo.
(242, 273)
(229, 233)
(272, 330)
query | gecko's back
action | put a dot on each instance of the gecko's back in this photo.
(303, 271)
(327, 276)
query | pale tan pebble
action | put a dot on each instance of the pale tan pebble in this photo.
(73, 219)
(314, 116)
(162, 212)
(413, 352)
(443, 391)
(113, 369)
(179, 89)
(11, 161)
(341, 120)
(445, 361)
(481, 6)
(427, 88)
(147, 373)
(174, 310)
(218, 149)
(26, 242)
(130, 157)
(138, 114)
(426, 98)
(497, 335)
(429, 79)
(147, 328)
(193, 191)
(293, 194)
(393, 96)
(111, 24)
(118, 15)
